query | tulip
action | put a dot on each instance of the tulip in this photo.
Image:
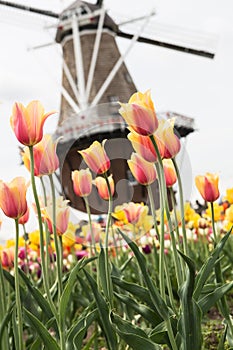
(13, 197)
(62, 216)
(7, 257)
(96, 157)
(27, 122)
(143, 171)
(169, 172)
(207, 185)
(133, 212)
(24, 219)
(102, 187)
(229, 195)
(46, 160)
(139, 113)
(82, 182)
(165, 136)
(143, 146)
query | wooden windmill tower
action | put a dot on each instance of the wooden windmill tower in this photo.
(94, 78)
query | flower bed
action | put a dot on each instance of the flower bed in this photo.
(141, 278)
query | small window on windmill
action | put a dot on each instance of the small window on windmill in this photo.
(128, 78)
(131, 179)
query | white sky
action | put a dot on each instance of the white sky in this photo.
(194, 86)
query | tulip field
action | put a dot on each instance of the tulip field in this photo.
(135, 278)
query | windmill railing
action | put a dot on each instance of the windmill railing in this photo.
(102, 118)
(105, 119)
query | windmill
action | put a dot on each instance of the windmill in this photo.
(94, 78)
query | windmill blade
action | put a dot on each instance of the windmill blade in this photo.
(169, 36)
(29, 9)
(168, 45)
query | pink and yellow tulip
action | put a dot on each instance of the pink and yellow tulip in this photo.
(143, 146)
(96, 157)
(139, 113)
(143, 171)
(167, 138)
(27, 122)
(82, 182)
(102, 187)
(207, 185)
(13, 197)
(46, 161)
(169, 172)
(24, 219)
(62, 216)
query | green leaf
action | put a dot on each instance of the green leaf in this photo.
(84, 324)
(104, 313)
(159, 334)
(102, 271)
(15, 329)
(78, 324)
(139, 292)
(36, 345)
(11, 281)
(85, 288)
(207, 268)
(48, 341)
(6, 318)
(37, 295)
(141, 309)
(189, 325)
(156, 298)
(134, 336)
(65, 297)
(209, 300)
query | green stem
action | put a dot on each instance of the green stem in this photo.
(169, 285)
(47, 238)
(106, 258)
(25, 249)
(161, 180)
(174, 249)
(59, 260)
(17, 290)
(57, 244)
(164, 204)
(213, 222)
(176, 227)
(152, 206)
(90, 223)
(42, 256)
(181, 206)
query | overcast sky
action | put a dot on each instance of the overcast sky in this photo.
(194, 86)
